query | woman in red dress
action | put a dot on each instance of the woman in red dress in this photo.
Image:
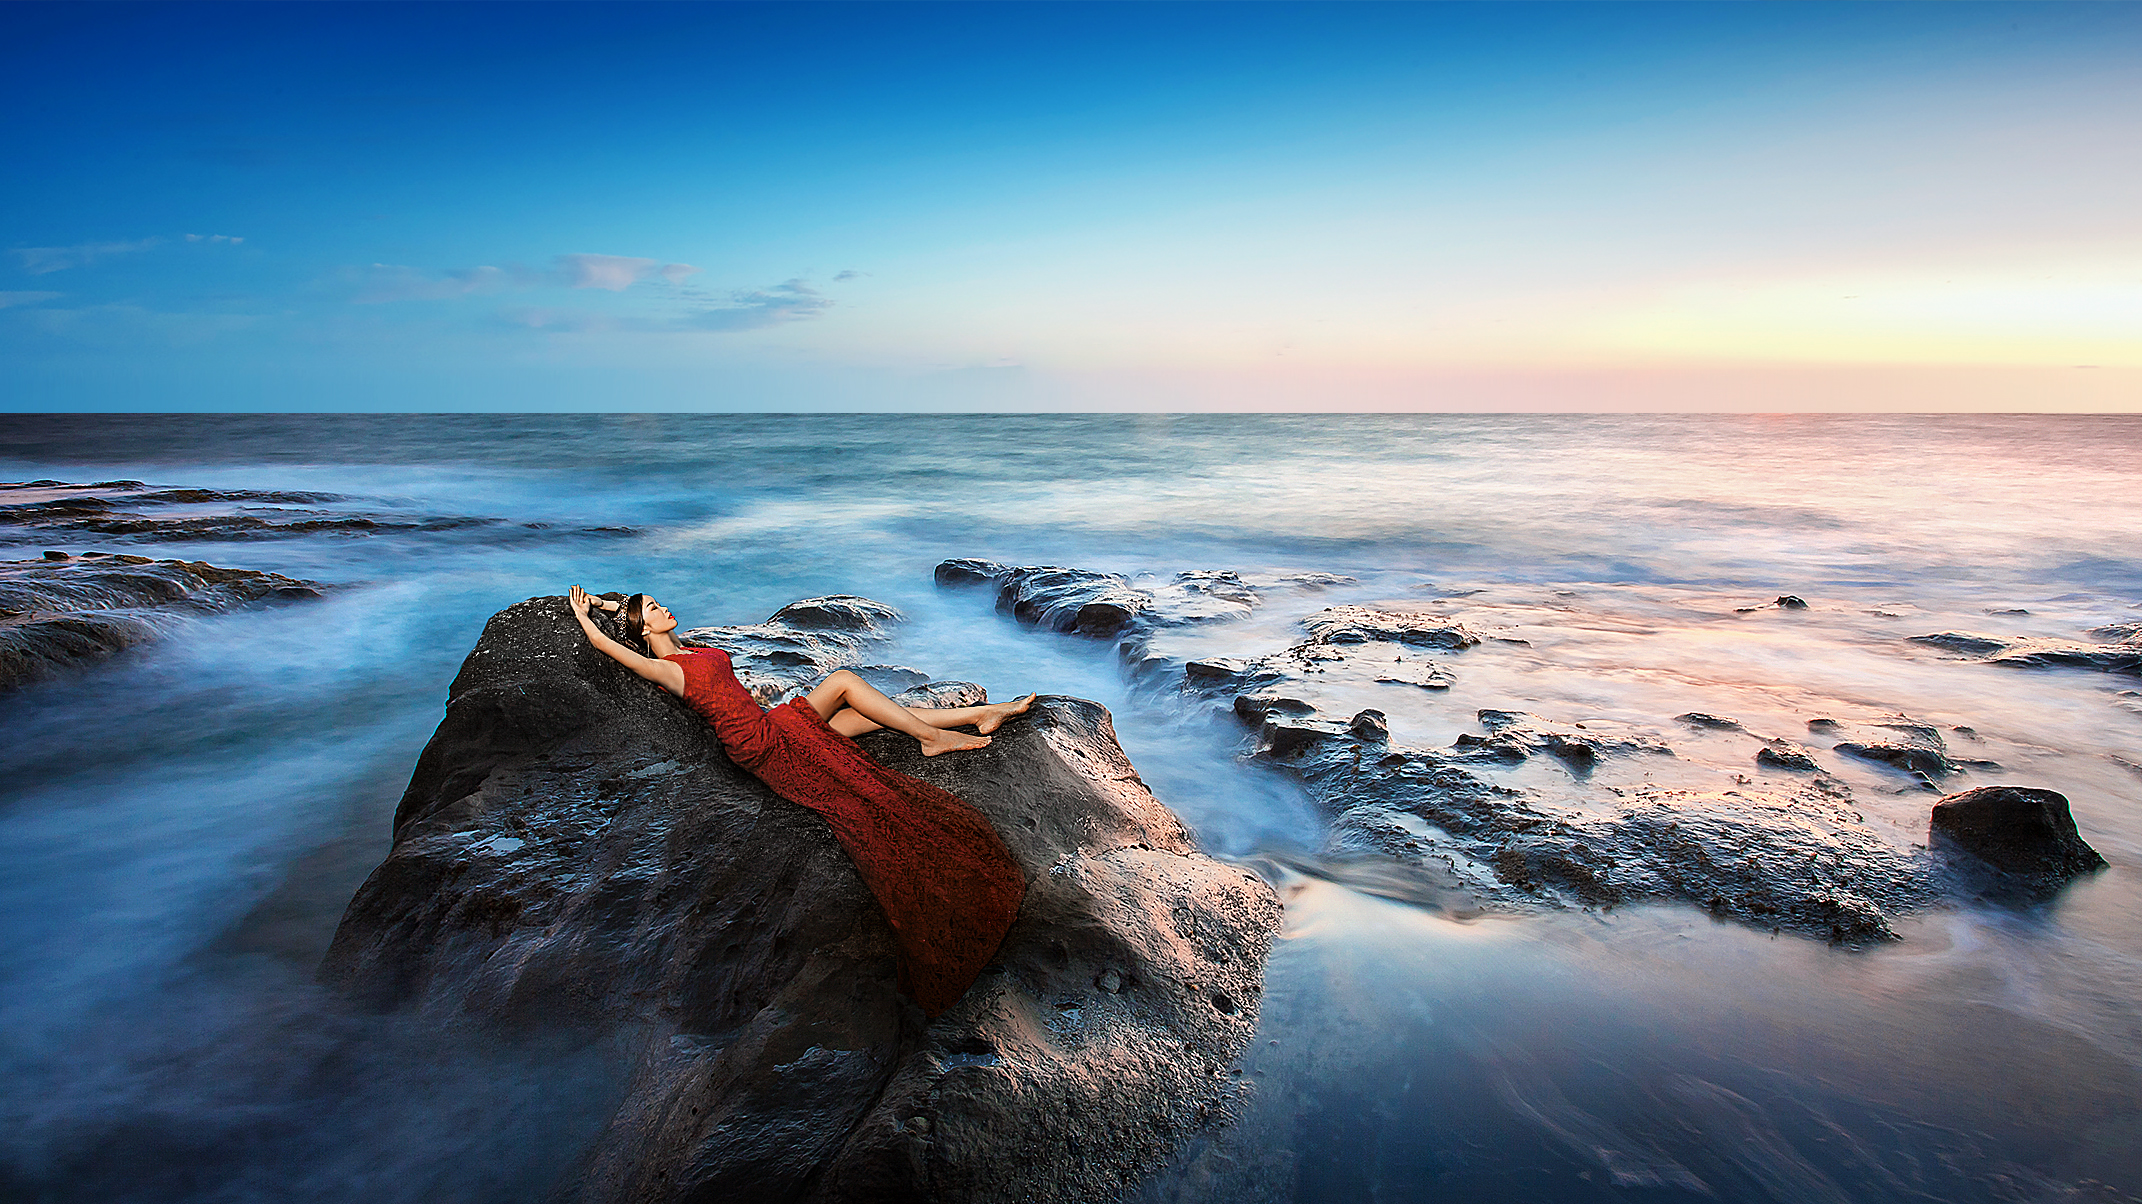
(949, 887)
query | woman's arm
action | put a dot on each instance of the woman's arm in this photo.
(667, 674)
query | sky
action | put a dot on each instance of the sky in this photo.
(1036, 206)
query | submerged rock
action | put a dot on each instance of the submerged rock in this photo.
(1902, 743)
(2121, 654)
(1078, 601)
(63, 610)
(1717, 723)
(1783, 754)
(2028, 835)
(134, 512)
(1085, 602)
(1781, 602)
(799, 644)
(575, 849)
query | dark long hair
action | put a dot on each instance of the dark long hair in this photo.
(636, 618)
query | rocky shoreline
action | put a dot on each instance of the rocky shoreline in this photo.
(68, 610)
(1781, 845)
(137, 512)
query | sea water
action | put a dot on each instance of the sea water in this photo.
(180, 826)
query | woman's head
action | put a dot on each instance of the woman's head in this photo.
(644, 617)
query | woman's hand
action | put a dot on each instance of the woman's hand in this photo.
(580, 601)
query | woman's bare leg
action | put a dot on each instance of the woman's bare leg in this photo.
(985, 718)
(845, 689)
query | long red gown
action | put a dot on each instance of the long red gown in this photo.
(949, 887)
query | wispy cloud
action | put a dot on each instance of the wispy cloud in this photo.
(847, 274)
(39, 261)
(229, 239)
(790, 301)
(24, 298)
(612, 273)
(618, 272)
(393, 282)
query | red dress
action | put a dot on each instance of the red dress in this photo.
(949, 888)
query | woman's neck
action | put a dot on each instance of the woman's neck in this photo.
(660, 644)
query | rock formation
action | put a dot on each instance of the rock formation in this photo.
(1786, 849)
(2027, 835)
(134, 512)
(574, 849)
(67, 610)
(2120, 653)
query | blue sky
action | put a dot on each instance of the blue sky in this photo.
(1042, 206)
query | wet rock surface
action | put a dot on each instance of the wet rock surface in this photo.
(136, 512)
(1800, 858)
(802, 642)
(64, 610)
(1523, 809)
(574, 849)
(2121, 653)
(2029, 836)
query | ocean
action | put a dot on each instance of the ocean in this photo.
(181, 825)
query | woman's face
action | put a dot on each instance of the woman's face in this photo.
(655, 618)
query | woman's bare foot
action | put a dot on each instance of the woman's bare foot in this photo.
(951, 741)
(998, 712)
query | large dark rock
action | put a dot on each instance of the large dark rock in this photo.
(574, 849)
(2028, 835)
(63, 610)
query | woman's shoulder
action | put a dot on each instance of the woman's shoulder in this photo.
(681, 653)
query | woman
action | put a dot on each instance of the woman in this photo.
(949, 888)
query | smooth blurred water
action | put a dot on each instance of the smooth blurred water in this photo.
(180, 827)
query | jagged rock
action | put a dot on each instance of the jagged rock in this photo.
(1370, 725)
(61, 610)
(1713, 722)
(575, 850)
(1078, 601)
(1515, 735)
(1906, 744)
(2122, 655)
(1783, 755)
(1782, 602)
(2028, 835)
(1962, 641)
(1426, 674)
(133, 512)
(1907, 756)
(1085, 602)
(1365, 624)
(2123, 658)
